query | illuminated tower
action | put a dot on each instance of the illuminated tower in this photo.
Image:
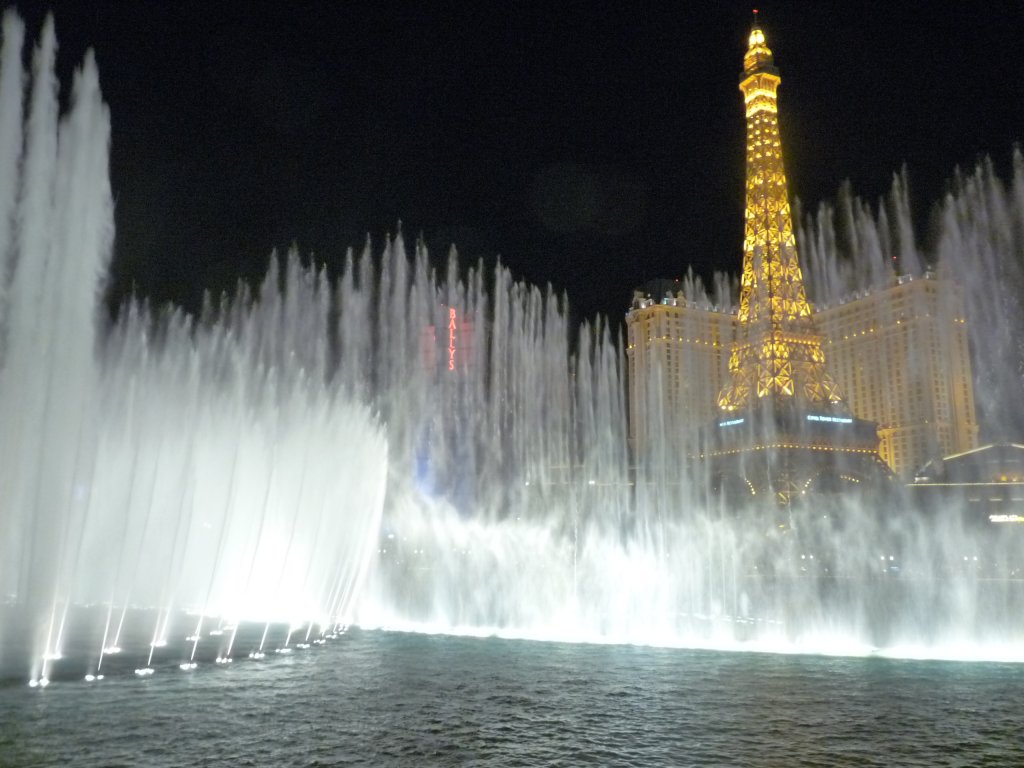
(778, 354)
(784, 429)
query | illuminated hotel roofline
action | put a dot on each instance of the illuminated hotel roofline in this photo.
(895, 282)
(672, 301)
(648, 302)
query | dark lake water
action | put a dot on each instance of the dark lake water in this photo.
(393, 699)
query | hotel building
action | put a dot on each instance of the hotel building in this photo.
(899, 355)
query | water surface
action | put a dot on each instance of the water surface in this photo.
(377, 698)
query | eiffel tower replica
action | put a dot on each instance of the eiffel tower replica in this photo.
(784, 430)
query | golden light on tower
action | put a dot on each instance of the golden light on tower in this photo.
(778, 353)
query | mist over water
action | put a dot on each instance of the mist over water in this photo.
(446, 452)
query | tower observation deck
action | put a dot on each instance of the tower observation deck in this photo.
(784, 428)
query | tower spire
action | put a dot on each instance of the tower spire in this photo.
(778, 355)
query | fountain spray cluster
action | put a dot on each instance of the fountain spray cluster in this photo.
(168, 464)
(402, 448)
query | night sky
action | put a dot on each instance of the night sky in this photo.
(591, 145)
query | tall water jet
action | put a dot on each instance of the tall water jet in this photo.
(60, 241)
(168, 464)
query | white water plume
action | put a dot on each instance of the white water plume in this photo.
(420, 450)
(170, 464)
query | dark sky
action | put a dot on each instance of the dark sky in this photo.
(592, 145)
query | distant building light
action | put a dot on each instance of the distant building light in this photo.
(832, 419)
(1006, 518)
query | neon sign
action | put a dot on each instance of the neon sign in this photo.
(730, 422)
(451, 338)
(833, 419)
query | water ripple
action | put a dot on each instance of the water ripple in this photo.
(407, 700)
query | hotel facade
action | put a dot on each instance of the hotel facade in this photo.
(899, 355)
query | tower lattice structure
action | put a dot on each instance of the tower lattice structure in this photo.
(778, 354)
(784, 430)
